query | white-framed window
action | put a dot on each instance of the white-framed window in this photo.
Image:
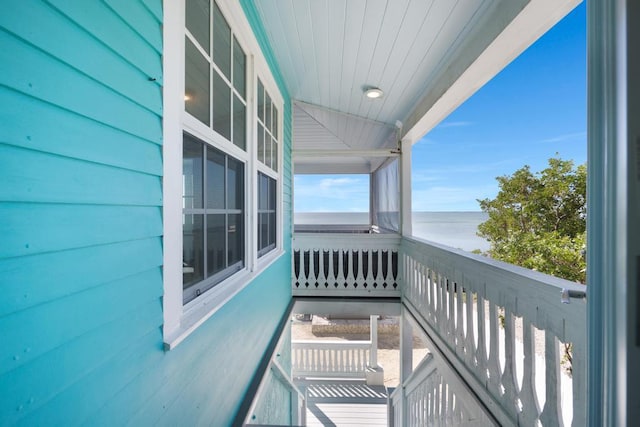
(222, 184)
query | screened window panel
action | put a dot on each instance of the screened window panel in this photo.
(221, 107)
(275, 122)
(221, 42)
(198, 13)
(213, 226)
(216, 244)
(239, 123)
(266, 214)
(267, 112)
(260, 101)
(192, 250)
(235, 184)
(261, 143)
(267, 151)
(264, 231)
(272, 228)
(191, 174)
(215, 179)
(196, 83)
(239, 69)
(236, 239)
(274, 154)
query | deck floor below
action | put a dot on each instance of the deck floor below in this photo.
(343, 403)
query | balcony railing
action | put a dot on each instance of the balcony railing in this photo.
(507, 331)
(343, 359)
(339, 264)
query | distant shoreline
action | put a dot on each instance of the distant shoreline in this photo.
(452, 228)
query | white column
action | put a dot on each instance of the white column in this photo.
(373, 336)
(406, 347)
(405, 187)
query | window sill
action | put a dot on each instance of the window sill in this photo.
(196, 312)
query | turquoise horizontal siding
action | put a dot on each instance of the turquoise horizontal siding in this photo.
(81, 205)
(81, 247)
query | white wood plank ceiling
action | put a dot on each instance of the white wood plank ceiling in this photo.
(330, 51)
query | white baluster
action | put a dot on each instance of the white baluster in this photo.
(493, 362)
(470, 340)
(459, 320)
(331, 279)
(312, 275)
(481, 350)
(530, 406)
(509, 376)
(322, 279)
(551, 415)
(451, 326)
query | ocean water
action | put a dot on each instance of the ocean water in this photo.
(455, 229)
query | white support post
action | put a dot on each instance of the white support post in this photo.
(373, 337)
(405, 187)
(406, 347)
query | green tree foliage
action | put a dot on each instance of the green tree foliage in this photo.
(538, 221)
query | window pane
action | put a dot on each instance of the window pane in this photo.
(263, 192)
(267, 150)
(260, 143)
(236, 238)
(215, 244)
(275, 122)
(198, 21)
(260, 101)
(274, 155)
(221, 106)
(239, 123)
(272, 228)
(192, 250)
(272, 194)
(239, 68)
(263, 233)
(196, 83)
(191, 173)
(221, 42)
(267, 112)
(235, 184)
(215, 179)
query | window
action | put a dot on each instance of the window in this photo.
(267, 129)
(266, 214)
(215, 72)
(217, 235)
(213, 217)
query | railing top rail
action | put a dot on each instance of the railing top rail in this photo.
(330, 344)
(486, 264)
(527, 293)
(345, 241)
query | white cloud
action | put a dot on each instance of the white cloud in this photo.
(566, 137)
(455, 124)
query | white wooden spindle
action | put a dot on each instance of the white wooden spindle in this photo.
(509, 376)
(551, 415)
(469, 344)
(528, 397)
(493, 362)
(460, 334)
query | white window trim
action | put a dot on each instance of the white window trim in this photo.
(180, 320)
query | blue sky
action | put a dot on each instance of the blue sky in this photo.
(533, 109)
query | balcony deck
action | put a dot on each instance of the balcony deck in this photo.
(333, 402)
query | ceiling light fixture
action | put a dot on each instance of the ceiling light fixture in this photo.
(373, 93)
